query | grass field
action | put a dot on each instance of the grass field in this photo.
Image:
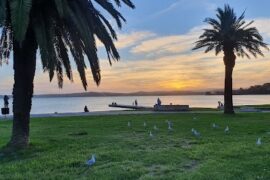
(60, 147)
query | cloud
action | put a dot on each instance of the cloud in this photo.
(262, 24)
(169, 44)
(186, 4)
(129, 39)
(173, 68)
(183, 43)
(169, 8)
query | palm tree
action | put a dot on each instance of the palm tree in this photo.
(235, 37)
(56, 27)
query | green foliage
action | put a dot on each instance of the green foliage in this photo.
(20, 17)
(5, 44)
(60, 146)
(63, 25)
(2, 12)
(231, 33)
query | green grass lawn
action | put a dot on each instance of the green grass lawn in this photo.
(261, 107)
(60, 147)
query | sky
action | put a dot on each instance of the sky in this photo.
(155, 47)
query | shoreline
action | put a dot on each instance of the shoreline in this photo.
(103, 113)
(120, 112)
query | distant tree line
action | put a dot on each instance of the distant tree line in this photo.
(257, 89)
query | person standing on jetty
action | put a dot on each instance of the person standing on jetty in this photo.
(136, 102)
(158, 102)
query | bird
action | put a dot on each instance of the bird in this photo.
(150, 134)
(214, 126)
(91, 161)
(144, 124)
(170, 123)
(129, 124)
(195, 132)
(259, 142)
(155, 127)
(227, 129)
(170, 127)
(194, 118)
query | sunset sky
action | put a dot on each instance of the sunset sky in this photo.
(155, 47)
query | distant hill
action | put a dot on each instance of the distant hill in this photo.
(141, 93)
(257, 89)
(252, 90)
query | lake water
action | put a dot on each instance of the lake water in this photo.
(76, 104)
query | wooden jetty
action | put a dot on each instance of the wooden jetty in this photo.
(171, 108)
(130, 107)
(155, 108)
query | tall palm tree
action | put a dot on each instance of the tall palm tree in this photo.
(235, 37)
(56, 27)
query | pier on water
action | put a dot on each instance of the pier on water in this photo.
(154, 108)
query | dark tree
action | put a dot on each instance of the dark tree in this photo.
(234, 37)
(55, 27)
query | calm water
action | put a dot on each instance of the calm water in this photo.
(76, 104)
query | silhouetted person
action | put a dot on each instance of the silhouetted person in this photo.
(6, 103)
(220, 105)
(136, 102)
(86, 109)
(158, 102)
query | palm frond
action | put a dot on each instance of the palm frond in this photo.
(6, 44)
(3, 10)
(60, 7)
(20, 12)
(108, 6)
(62, 26)
(229, 33)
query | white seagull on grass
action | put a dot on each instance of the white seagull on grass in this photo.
(259, 142)
(91, 161)
(150, 134)
(170, 127)
(144, 124)
(227, 130)
(195, 132)
(215, 126)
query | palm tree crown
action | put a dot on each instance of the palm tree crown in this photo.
(231, 33)
(60, 26)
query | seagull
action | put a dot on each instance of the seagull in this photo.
(144, 124)
(170, 127)
(214, 126)
(227, 129)
(129, 124)
(91, 161)
(155, 127)
(259, 142)
(195, 132)
(150, 134)
(170, 123)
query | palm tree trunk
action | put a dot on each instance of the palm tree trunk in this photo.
(24, 72)
(228, 91)
(229, 61)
